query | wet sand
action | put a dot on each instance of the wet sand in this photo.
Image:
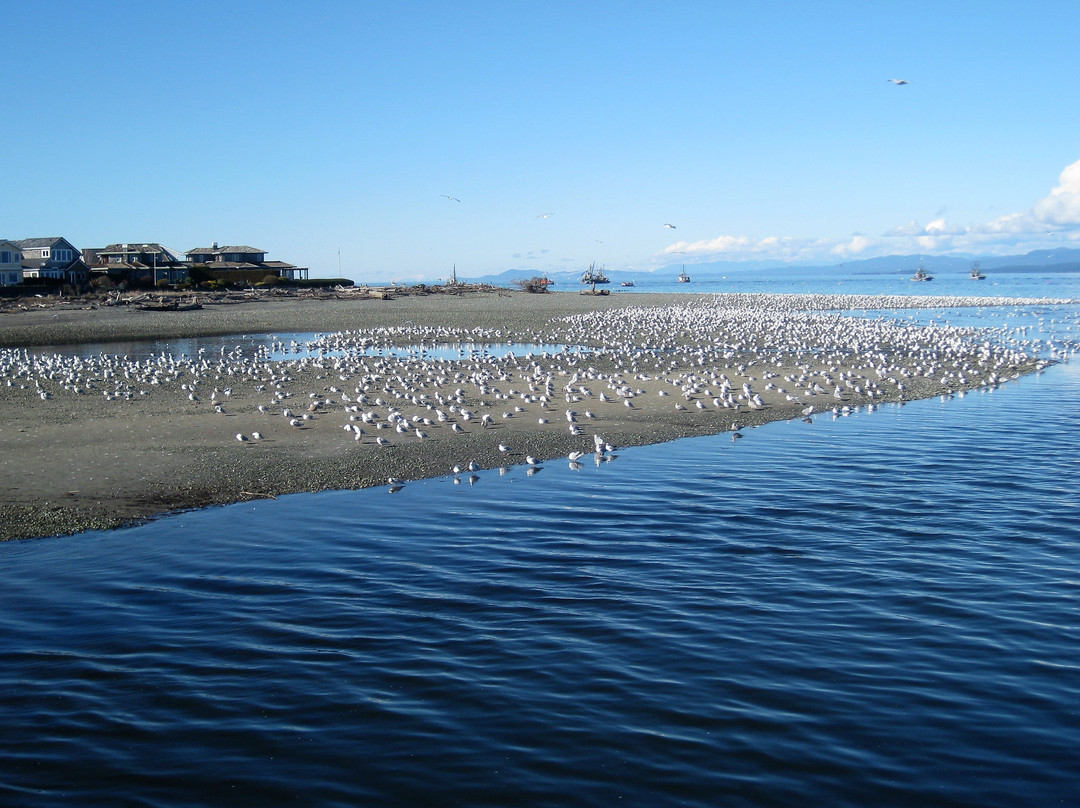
(102, 444)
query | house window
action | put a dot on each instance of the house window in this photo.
(63, 255)
(5, 256)
(44, 253)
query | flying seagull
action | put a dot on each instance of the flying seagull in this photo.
(898, 82)
(668, 225)
(544, 215)
(451, 198)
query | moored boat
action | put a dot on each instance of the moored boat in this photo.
(683, 277)
(922, 275)
(976, 275)
(595, 274)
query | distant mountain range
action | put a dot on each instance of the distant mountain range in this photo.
(1062, 260)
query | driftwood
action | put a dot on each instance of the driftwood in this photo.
(169, 304)
(180, 301)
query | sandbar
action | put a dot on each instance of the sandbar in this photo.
(101, 443)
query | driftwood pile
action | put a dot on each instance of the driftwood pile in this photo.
(188, 301)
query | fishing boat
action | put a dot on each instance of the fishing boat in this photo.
(922, 275)
(594, 275)
(683, 277)
(627, 283)
(546, 281)
(976, 275)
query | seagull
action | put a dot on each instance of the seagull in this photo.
(898, 82)
(544, 215)
(451, 198)
(669, 226)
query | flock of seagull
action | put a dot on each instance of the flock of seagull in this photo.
(733, 360)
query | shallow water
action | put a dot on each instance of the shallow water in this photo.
(875, 609)
(815, 281)
(293, 345)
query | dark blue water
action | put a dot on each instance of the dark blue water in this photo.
(881, 609)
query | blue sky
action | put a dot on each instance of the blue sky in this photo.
(761, 130)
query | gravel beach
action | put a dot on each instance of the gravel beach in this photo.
(103, 442)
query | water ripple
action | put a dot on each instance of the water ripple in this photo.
(876, 609)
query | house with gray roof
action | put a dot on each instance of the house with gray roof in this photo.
(54, 258)
(136, 261)
(11, 272)
(216, 258)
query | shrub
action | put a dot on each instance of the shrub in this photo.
(535, 285)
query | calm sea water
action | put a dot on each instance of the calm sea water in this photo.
(880, 609)
(997, 283)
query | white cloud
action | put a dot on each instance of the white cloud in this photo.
(1058, 213)
(784, 248)
(912, 228)
(1062, 207)
(856, 246)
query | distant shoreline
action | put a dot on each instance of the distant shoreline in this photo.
(71, 461)
(72, 321)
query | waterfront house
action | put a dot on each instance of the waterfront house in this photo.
(233, 259)
(143, 262)
(11, 272)
(53, 258)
